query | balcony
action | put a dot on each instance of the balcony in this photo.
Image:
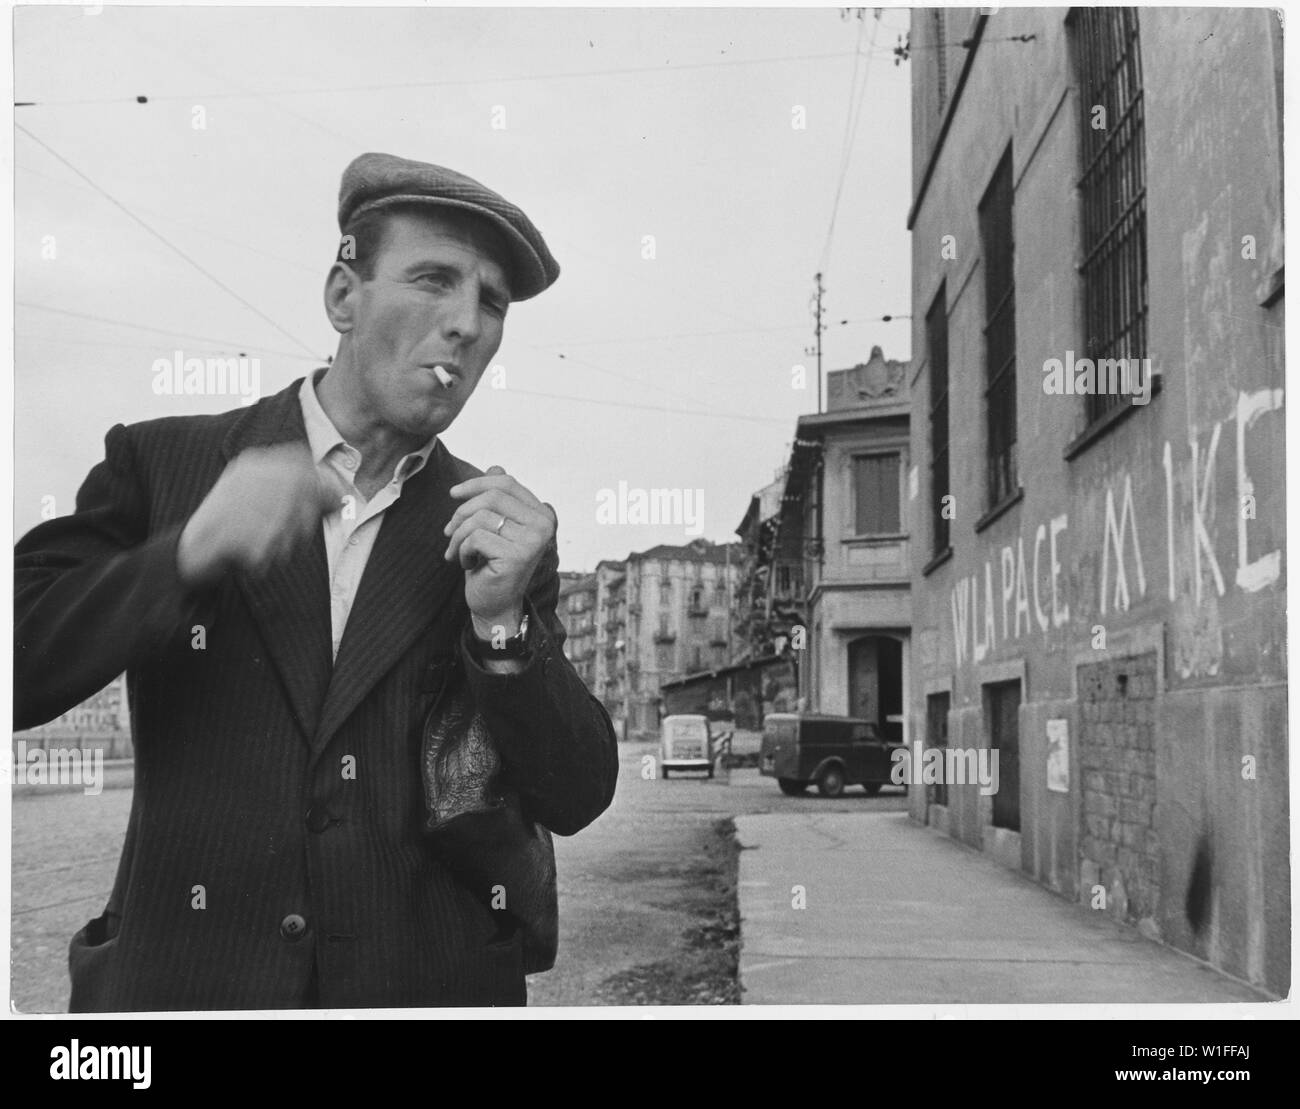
(664, 635)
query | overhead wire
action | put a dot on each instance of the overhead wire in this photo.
(713, 413)
(657, 385)
(850, 139)
(673, 336)
(784, 421)
(444, 83)
(194, 227)
(113, 344)
(164, 240)
(851, 126)
(138, 35)
(163, 330)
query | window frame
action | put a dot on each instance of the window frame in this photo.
(939, 25)
(875, 452)
(997, 244)
(940, 525)
(937, 793)
(1114, 270)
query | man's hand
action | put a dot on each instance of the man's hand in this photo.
(499, 535)
(266, 502)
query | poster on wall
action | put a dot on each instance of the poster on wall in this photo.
(1058, 756)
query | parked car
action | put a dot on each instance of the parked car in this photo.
(802, 748)
(686, 742)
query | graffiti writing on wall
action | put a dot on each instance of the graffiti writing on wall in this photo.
(1023, 590)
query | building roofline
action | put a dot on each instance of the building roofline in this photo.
(856, 415)
(719, 671)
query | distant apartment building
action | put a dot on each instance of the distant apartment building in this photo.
(610, 661)
(661, 614)
(1099, 588)
(770, 595)
(576, 609)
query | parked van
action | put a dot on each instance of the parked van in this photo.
(686, 743)
(802, 748)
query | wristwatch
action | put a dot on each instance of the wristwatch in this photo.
(514, 647)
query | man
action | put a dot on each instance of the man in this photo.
(288, 588)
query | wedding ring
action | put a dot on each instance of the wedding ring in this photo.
(501, 525)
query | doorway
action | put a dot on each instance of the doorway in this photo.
(1002, 708)
(876, 683)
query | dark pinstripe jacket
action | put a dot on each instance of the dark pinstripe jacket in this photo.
(269, 784)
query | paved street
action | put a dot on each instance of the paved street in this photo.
(644, 892)
(631, 899)
(891, 913)
(65, 850)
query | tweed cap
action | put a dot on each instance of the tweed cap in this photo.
(377, 180)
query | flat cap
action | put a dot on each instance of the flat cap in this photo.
(378, 180)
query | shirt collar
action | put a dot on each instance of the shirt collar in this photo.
(323, 437)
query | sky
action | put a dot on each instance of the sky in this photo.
(658, 150)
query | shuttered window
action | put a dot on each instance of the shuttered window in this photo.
(876, 494)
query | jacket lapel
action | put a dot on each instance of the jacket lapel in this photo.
(290, 603)
(405, 585)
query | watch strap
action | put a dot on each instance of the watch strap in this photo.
(515, 646)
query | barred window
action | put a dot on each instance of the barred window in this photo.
(1000, 332)
(1113, 189)
(936, 333)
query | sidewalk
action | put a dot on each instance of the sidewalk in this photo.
(899, 914)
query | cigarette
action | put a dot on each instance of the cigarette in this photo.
(444, 377)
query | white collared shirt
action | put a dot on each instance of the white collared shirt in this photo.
(350, 533)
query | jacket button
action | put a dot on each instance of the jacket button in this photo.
(293, 927)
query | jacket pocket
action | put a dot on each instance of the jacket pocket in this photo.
(505, 954)
(90, 958)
